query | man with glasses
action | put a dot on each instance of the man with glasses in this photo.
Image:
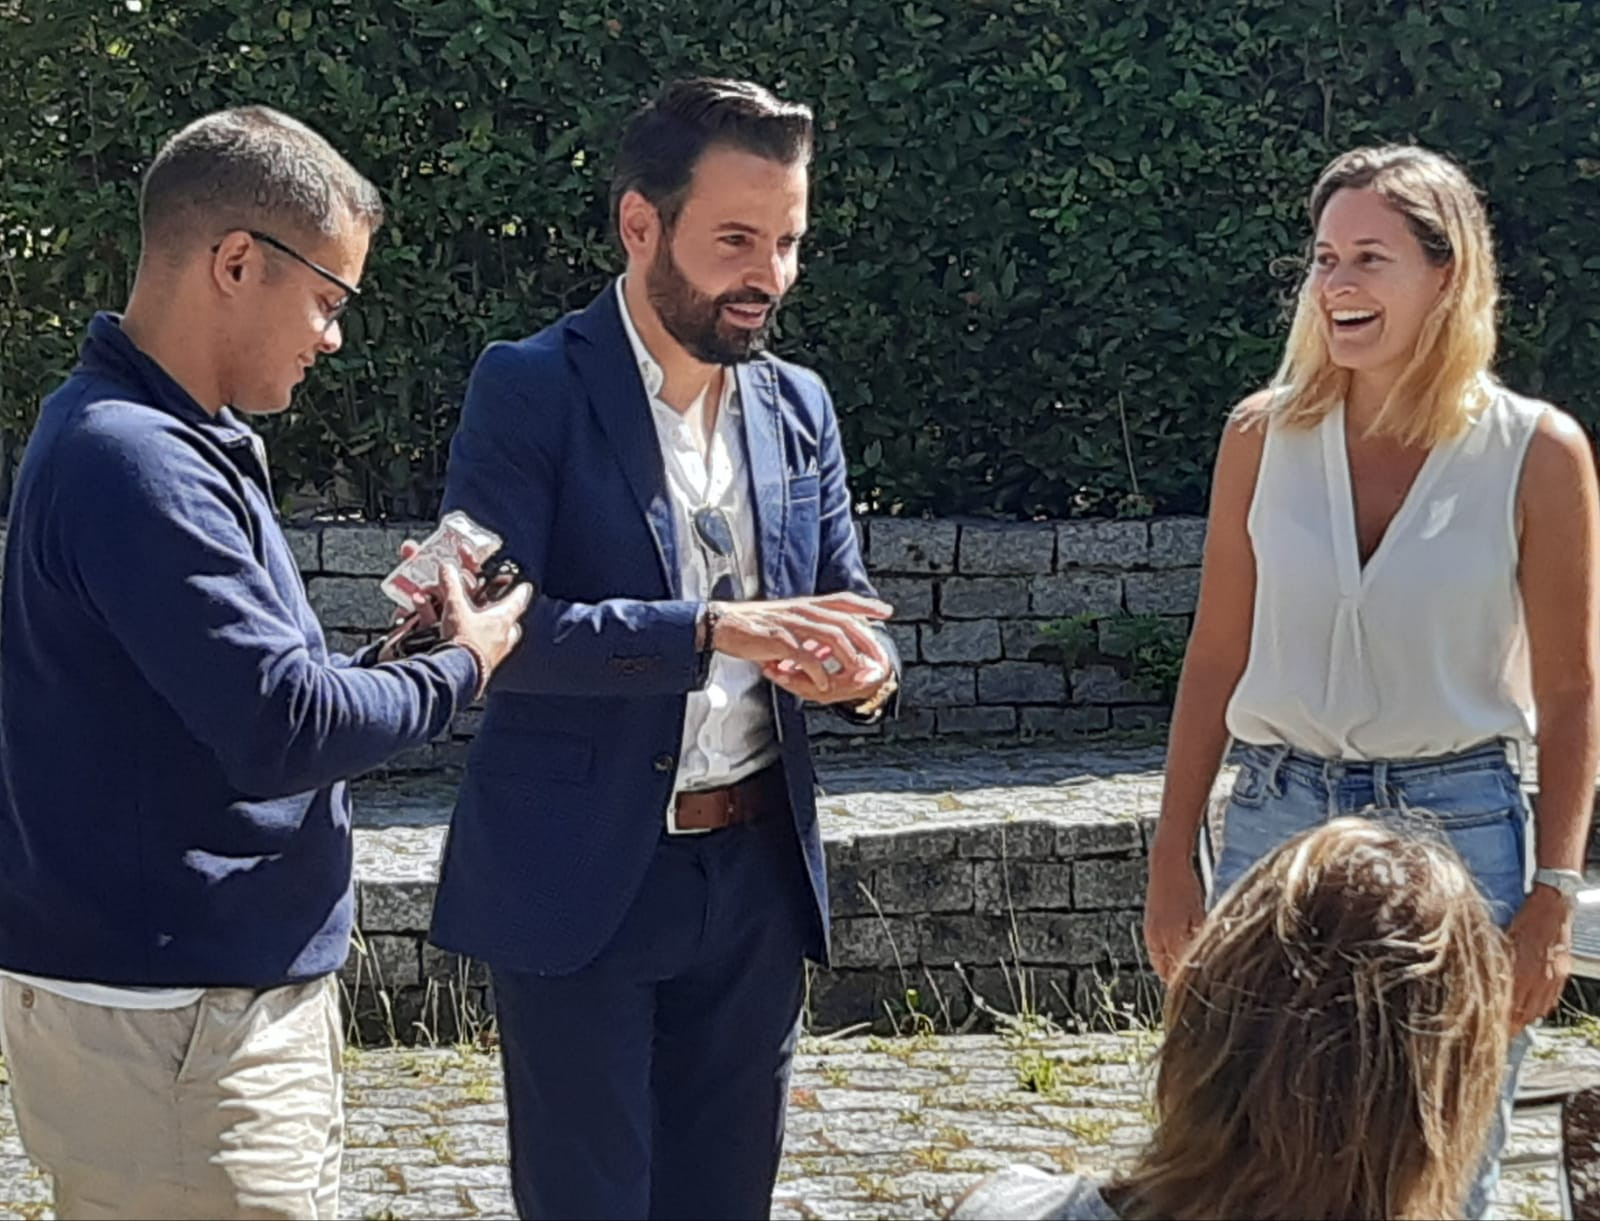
(175, 853)
(635, 848)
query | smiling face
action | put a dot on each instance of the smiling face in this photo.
(717, 274)
(1373, 283)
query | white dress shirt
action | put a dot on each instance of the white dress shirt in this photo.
(727, 725)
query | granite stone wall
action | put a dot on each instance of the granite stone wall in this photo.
(972, 599)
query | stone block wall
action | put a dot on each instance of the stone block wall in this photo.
(972, 599)
(1035, 914)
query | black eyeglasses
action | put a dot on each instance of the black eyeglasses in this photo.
(351, 292)
(712, 528)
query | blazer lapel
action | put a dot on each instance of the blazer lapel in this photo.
(611, 376)
(763, 442)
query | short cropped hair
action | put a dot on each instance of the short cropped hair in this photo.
(665, 139)
(251, 168)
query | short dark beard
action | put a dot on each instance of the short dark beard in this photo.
(695, 320)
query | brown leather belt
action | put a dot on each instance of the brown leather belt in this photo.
(749, 799)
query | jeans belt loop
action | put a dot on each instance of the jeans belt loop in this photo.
(1273, 780)
(1382, 790)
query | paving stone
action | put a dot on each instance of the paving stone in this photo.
(868, 941)
(960, 640)
(349, 602)
(994, 550)
(904, 636)
(938, 686)
(396, 907)
(1076, 594)
(880, 1128)
(923, 886)
(367, 551)
(1172, 592)
(305, 544)
(1177, 542)
(1022, 885)
(976, 720)
(1064, 720)
(1021, 682)
(983, 597)
(913, 545)
(1108, 882)
(912, 598)
(1103, 685)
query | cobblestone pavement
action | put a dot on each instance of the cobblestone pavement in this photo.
(877, 1128)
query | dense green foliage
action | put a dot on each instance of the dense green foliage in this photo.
(1044, 231)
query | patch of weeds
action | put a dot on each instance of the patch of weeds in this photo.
(1587, 1026)
(439, 1141)
(908, 1116)
(836, 1076)
(1534, 1211)
(876, 1187)
(1074, 637)
(1095, 1129)
(479, 1089)
(953, 1137)
(932, 1157)
(1037, 1072)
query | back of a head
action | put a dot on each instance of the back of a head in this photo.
(665, 139)
(249, 168)
(1335, 1039)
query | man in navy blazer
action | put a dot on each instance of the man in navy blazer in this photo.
(635, 850)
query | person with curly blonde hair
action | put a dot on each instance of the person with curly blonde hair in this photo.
(1335, 1042)
(1399, 586)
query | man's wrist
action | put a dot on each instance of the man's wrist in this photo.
(478, 660)
(875, 702)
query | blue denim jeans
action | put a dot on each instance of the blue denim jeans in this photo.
(1472, 799)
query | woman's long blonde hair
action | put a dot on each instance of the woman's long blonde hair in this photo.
(1444, 384)
(1335, 1039)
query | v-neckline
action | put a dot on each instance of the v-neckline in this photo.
(1354, 576)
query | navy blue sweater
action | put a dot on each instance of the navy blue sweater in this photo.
(174, 736)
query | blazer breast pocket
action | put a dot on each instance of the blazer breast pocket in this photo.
(804, 487)
(801, 531)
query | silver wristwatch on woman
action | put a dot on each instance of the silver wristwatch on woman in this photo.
(1568, 882)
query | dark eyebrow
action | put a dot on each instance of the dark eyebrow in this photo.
(1360, 241)
(738, 226)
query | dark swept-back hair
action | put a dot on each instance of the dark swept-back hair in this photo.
(665, 139)
(250, 168)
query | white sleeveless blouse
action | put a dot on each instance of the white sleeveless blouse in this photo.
(1425, 650)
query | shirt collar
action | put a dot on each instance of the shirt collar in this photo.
(649, 371)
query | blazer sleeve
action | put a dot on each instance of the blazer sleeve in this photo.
(504, 472)
(839, 565)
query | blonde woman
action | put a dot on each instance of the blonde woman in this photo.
(1335, 1044)
(1399, 582)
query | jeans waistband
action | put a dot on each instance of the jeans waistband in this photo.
(1494, 755)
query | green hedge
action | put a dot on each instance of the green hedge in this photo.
(1045, 231)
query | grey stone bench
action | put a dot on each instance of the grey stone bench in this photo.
(1016, 873)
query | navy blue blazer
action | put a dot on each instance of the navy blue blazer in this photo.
(569, 778)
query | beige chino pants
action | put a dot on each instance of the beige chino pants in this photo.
(229, 1108)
